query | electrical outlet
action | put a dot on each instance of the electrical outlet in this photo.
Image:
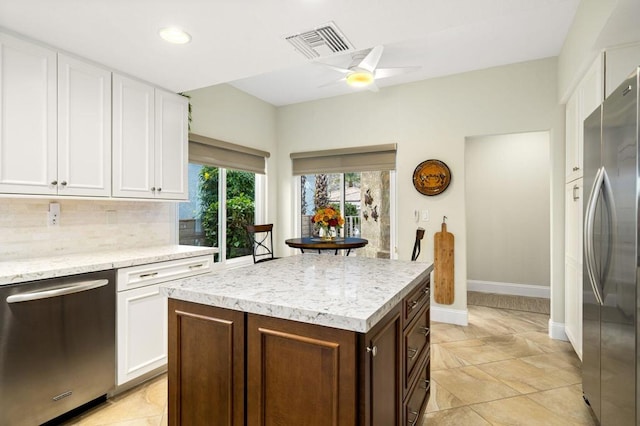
(54, 214)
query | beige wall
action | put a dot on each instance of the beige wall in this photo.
(507, 208)
(428, 119)
(228, 114)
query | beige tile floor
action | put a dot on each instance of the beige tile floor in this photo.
(502, 369)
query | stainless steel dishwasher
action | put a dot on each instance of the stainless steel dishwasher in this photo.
(57, 346)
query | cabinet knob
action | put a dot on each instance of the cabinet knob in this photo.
(159, 189)
(63, 183)
(153, 189)
(576, 168)
(373, 350)
(54, 182)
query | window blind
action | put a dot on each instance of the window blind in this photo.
(355, 159)
(212, 152)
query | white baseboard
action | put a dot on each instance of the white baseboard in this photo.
(450, 316)
(556, 331)
(527, 290)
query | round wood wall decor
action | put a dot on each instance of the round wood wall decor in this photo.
(431, 177)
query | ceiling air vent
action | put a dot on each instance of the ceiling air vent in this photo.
(322, 41)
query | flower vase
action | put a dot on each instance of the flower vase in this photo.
(328, 233)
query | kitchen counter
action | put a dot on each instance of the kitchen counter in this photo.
(350, 293)
(17, 271)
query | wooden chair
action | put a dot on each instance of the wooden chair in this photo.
(262, 236)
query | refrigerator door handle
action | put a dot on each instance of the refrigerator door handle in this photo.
(590, 257)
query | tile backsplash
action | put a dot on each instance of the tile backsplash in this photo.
(84, 225)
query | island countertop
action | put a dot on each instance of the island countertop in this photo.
(351, 293)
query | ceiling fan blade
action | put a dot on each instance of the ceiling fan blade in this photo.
(370, 62)
(390, 72)
(333, 83)
(333, 67)
(372, 87)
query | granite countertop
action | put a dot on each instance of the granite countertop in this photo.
(22, 270)
(351, 293)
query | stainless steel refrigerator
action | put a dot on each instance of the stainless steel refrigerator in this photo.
(611, 276)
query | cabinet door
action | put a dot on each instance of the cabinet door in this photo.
(133, 138)
(383, 367)
(84, 128)
(300, 374)
(572, 132)
(620, 63)
(142, 332)
(206, 365)
(171, 152)
(27, 117)
(573, 264)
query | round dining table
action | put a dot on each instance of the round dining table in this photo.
(317, 243)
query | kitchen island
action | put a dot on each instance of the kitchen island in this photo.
(310, 339)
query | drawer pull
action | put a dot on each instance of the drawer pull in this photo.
(413, 413)
(414, 303)
(149, 275)
(425, 331)
(199, 265)
(412, 352)
(576, 168)
(426, 384)
(373, 351)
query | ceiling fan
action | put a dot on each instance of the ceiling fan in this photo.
(363, 71)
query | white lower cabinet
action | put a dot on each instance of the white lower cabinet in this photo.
(573, 264)
(142, 314)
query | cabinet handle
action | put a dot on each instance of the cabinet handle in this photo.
(153, 189)
(413, 413)
(54, 182)
(149, 275)
(424, 330)
(63, 183)
(412, 352)
(576, 168)
(426, 384)
(373, 350)
(199, 265)
(414, 303)
(575, 192)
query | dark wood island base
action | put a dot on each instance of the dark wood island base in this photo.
(235, 368)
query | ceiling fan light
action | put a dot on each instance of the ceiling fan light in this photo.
(175, 35)
(360, 78)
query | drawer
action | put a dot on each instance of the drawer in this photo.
(154, 273)
(416, 341)
(416, 300)
(416, 402)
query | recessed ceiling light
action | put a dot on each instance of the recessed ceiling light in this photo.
(175, 35)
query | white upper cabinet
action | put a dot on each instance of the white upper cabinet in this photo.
(133, 139)
(586, 98)
(84, 128)
(620, 63)
(171, 155)
(27, 117)
(149, 141)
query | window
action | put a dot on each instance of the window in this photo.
(201, 217)
(363, 198)
(225, 195)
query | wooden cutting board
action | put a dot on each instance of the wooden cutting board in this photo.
(443, 266)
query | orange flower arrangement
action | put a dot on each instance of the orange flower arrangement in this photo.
(328, 217)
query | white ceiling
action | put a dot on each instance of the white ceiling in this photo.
(243, 41)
